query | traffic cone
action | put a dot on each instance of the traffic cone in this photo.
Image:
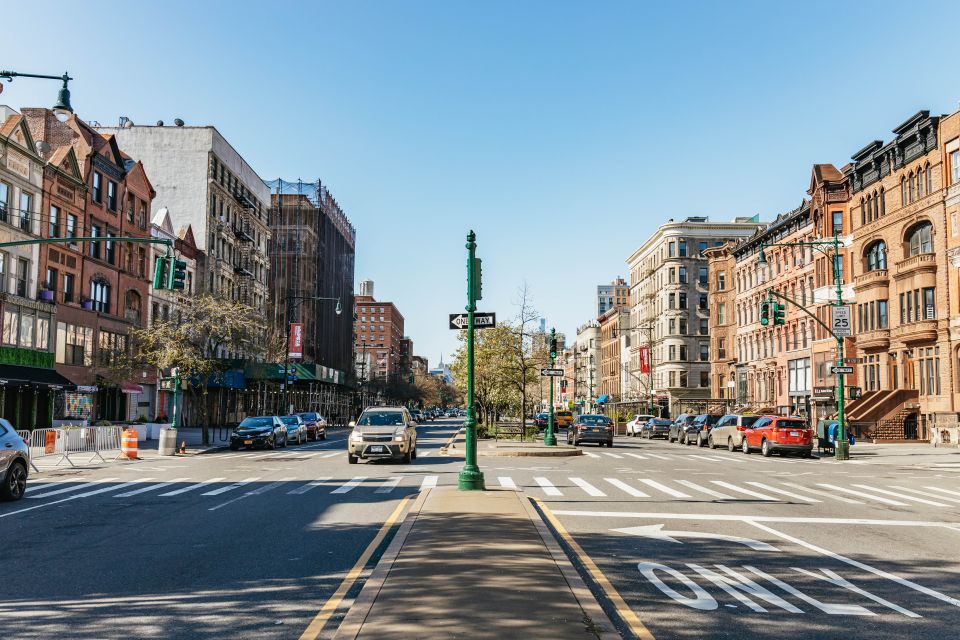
(183, 446)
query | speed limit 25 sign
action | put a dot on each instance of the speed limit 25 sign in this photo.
(840, 322)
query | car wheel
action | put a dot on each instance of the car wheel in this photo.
(352, 459)
(234, 447)
(273, 443)
(805, 454)
(323, 436)
(610, 444)
(413, 455)
(730, 446)
(765, 449)
(16, 482)
(406, 458)
(709, 443)
(744, 445)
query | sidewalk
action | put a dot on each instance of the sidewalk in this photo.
(474, 565)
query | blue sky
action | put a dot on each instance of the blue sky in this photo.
(562, 132)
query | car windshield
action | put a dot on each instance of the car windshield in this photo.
(565, 414)
(380, 419)
(308, 416)
(256, 423)
(748, 421)
(657, 422)
(593, 419)
(290, 421)
(711, 420)
(791, 424)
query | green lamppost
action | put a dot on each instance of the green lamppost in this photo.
(471, 478)
(61, 109)
(549, 438)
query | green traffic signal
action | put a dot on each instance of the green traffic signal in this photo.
(778, 313)
(764, 313)
(477, 279)
(160, 272)
(176, 273)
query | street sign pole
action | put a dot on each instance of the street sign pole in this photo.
(471, 478)
(549, 438)
(841, 446)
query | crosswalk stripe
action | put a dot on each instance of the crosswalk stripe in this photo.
(310, 486)
(623, 486)
(349, 485)
(331, 454)
(664, 488)
(901, 496)
(861, 494)
(76, 487)
(612, 455)
(795, 496)
(635, 455)
(229, 487)
(657, 455)
(731, 460)
(115, 487)
(821, 494)
(938, 497)
(191, 487)
(709, 492)
(33, 487)
(153, 487)
(389, 485)
(704, 458)
(268, 486)
(507, 482)
(944, 491)
(423, 454)
(590, 455)
(548, 487)
(429, 482)
(749, 492)
(589, 488)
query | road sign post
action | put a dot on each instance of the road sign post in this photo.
(471, 478)
(480, 320)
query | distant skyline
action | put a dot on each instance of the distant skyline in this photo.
(562, 133)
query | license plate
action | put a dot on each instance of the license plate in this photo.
(377, 448)
(595, 430)
(248, 442)
(794, 434)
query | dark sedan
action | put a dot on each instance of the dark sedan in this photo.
(591, 428)
(268, 432)
(540, 420)
(656, 428)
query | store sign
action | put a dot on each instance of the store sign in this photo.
(644, 356)
(296, 340)
(823, 393)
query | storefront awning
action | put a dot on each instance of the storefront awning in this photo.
(129, 387)
(12, 375)
(603, 399)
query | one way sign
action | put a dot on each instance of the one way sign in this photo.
(480, 320)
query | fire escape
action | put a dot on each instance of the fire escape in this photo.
(244, 266)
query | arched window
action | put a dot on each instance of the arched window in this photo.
(869, 208)
(903, 191)
(920, 239)
(876, 256)
(863, 211)
(912, 188)
(929, 180)
(921, 182)
(883, 202)
(132, 306)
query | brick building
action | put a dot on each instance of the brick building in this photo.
(378, 327)
(615, 294)
(721, 266)
(613, 323)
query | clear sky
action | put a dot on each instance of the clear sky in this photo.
(562, 132)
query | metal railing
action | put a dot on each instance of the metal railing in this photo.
(60, 445)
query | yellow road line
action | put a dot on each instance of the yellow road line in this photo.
(624, 611)
(312, 631)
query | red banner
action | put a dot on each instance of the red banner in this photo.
(295, 349)
(644, 355)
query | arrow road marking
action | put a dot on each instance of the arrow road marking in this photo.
(656, 531)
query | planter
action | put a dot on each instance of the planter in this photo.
(86, 304)
(46, 295)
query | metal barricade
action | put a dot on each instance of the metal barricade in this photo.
(46, 443)
(26, 438)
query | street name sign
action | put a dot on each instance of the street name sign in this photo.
(841, 370)
(823, 393)
(551, 373)
(480, 320)
(840, 322)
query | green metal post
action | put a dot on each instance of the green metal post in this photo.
(176, 388)
(549, 438)
(841, 446)
(471, 478)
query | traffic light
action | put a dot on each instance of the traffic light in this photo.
(553, 346)
(410, 380)
(764, 313)
(160, 272)
(477, 279)
(778, 313)
(176, 273)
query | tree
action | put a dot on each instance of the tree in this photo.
(206, 328)
(521, 362)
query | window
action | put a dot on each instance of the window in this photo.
(111, 195)
(68, 287)
(799, 375)
(52, 279)
(142, 218)
(721, 281)
(74, 345)
(683, 326)
(111, 248)
(704, 378)
(672, 249)
(704, 352)
(141, 262)
(877, 256)
(882, 321)
(54, 230)
(683, 378)
(683, 275)
(672, 326)
(704, 326)
(929, 307)
(682, 249)
(672, 301)
(954, 168)
(683, 301)
(702, 303)
(836, 218)
(100, 294)
(702, 276)
(701, 247)
(23, 272)
(920, 239)
(5, 192)
(97, 187)
(71, 225)
(930, 371)
(94, 244)
(26, 206)
(110, 346)
(671, 275)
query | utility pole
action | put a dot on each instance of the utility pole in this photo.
(471, 478)
(549, 438)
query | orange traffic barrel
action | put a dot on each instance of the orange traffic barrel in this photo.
(128, 444)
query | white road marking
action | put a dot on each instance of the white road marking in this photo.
(590, 455)
(153, 487)
(695, 456)
(389, 485)
(331, 454)
(76, 487)
(827, 607)
(350, 484)
(944, 491)
(749, 492)
(834, 578)
(548, 487)
(255, 492)
(191, 487)
(623, 486)
(635, 455)
(901, 496)
(823, 494)
(795, 496)
(733, 460)
(310, 486)
(657, 455)
(589, 488)
(507, 482)
(612, 455)
(429, 482)
(656, 531)
(76, 497)
(664, 488)
(709, 492)
(861, 494)
(230, 487)
(917, 491)
(423, 454)
(650, 515)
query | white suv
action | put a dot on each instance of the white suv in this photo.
(729, 431)
(382, 433)
(635, 424)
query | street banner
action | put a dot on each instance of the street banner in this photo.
(296, 340)
(644, 355)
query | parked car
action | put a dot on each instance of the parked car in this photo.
(383, 433)
(316, 425)
(779, 434)
(655, 428)
(14, 462)
(562, 419)
(678, 428)
(635, 423)
(590, 427)
(540, 420)
(729, 431)
(417, 415)
(296, 429)
(268, 432)
(702, 426)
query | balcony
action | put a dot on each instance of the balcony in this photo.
(921, 263)
(916, 332)
(877, 339)
(871, 279)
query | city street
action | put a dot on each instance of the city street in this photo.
(696, 543)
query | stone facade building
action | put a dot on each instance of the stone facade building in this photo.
(609, 296)
(721, 266)
(613, 323)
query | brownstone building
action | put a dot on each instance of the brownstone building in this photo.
(723, 328)
(948, 427)
(613, 324)
(378, 327)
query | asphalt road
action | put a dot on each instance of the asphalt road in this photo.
(697, 543)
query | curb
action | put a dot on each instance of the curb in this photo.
(560, 453)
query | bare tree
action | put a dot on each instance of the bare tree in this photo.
(522, 361)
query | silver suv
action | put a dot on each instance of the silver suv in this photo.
(383, 433)
(14, 462)
(729, 431)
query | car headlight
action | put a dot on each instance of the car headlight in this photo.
(399, 435)
(356, 436)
